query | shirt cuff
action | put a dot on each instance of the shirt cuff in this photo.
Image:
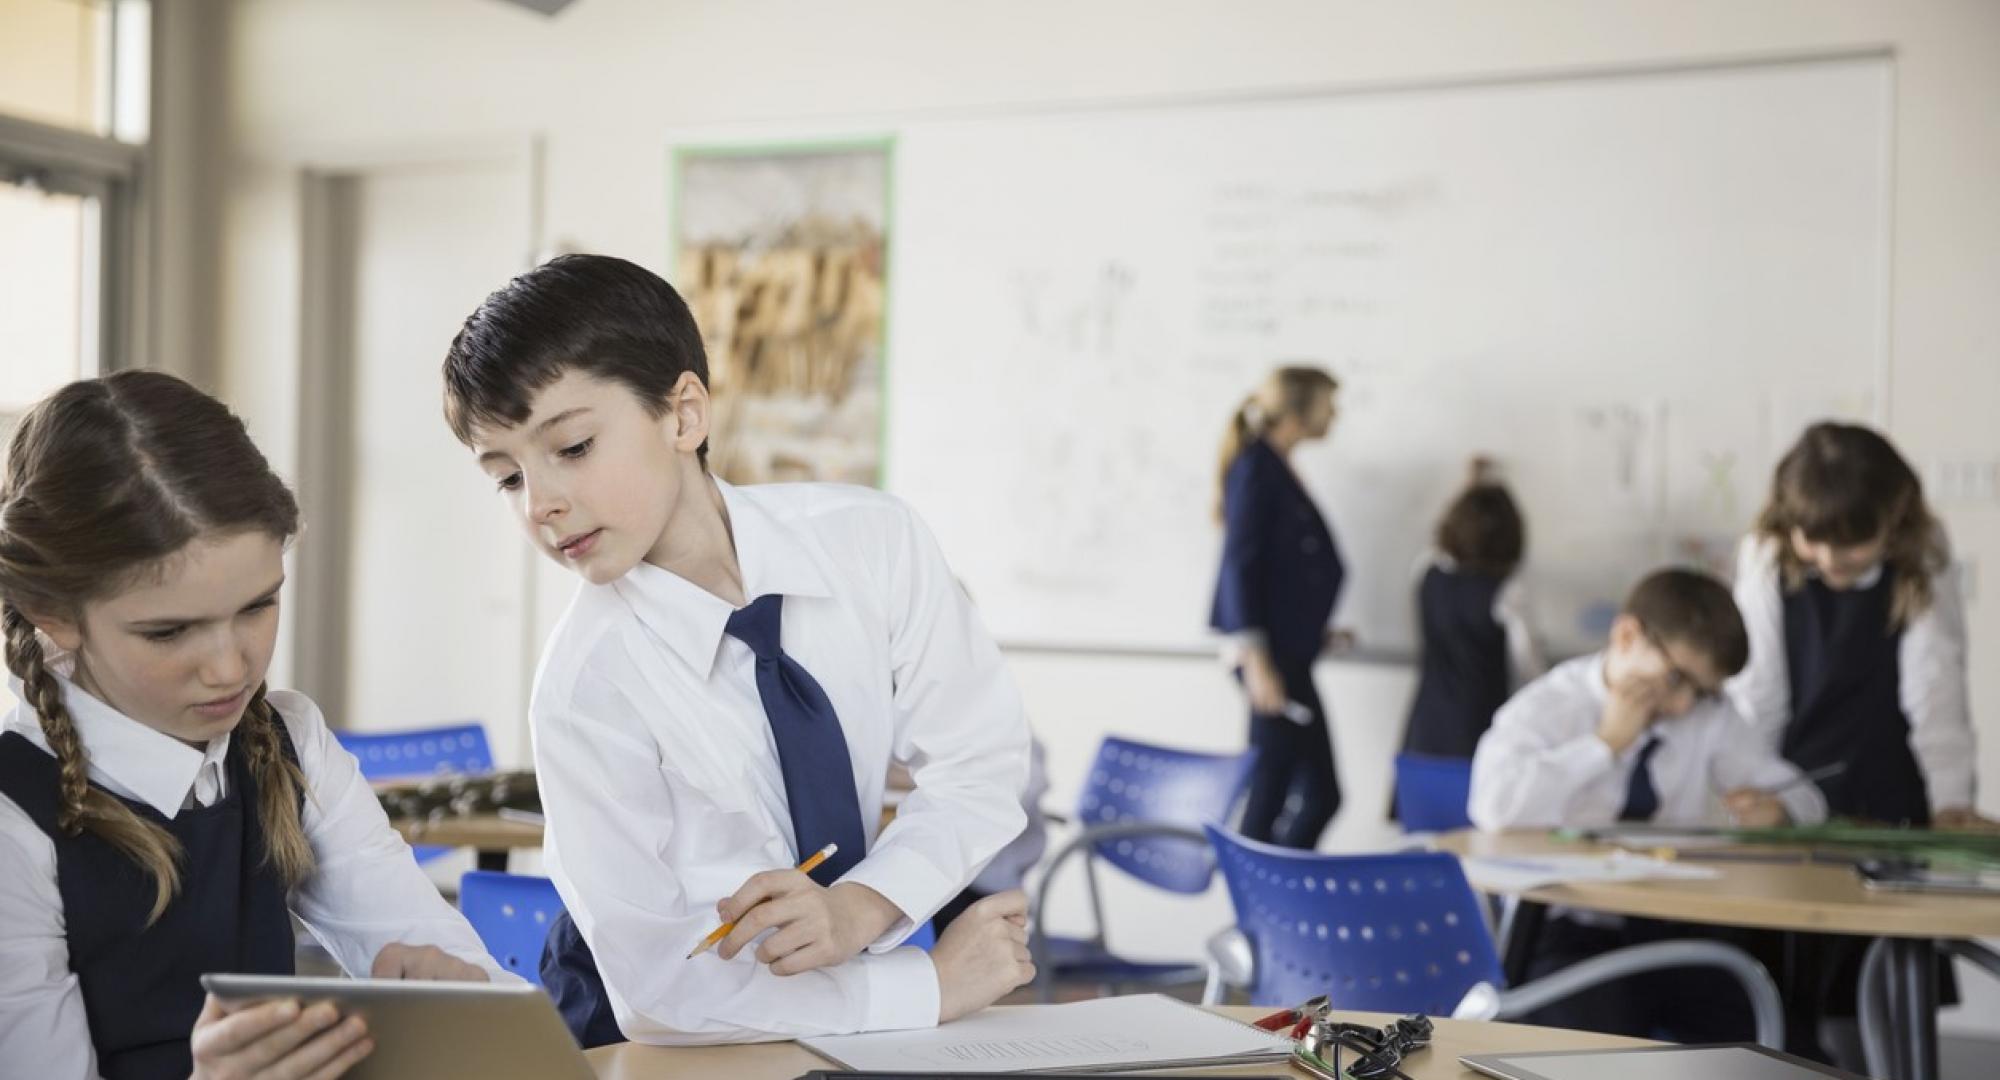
(907, 880)
(902, 991)
(1804, 804)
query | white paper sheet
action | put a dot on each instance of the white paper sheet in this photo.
(1118, 1033)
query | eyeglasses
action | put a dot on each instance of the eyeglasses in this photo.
(1378, 1052)
(1677, 677)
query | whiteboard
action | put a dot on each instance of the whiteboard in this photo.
(1633, 290)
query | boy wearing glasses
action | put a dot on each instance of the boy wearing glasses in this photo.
(1641, 733)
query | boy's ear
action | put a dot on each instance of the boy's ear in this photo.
(688, 409)
(1626, 631)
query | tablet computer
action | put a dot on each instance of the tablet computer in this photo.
(433, 1029)
(1735, 1061)
(1904, 875)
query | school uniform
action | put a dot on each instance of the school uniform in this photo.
(669, 773)
(1280, 578)
(1542, 766)
(1476, 647)
(1830, 681)
(87, 988)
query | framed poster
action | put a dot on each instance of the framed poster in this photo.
(780, 251)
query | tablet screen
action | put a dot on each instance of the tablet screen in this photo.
(1681, 1063)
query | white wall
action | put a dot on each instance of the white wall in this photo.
(331, 80)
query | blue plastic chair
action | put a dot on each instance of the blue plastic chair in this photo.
(432, 751)
(1432, 792)
(511, 913)
(1405, 933)
(1141, 811)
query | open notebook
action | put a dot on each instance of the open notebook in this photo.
(1102, 1035)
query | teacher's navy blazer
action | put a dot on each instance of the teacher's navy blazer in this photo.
(1281, 570)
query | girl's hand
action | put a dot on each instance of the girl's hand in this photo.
(1963, 817)
(276, 1040)
(816, 926)
(1263, 683)
(425, 962)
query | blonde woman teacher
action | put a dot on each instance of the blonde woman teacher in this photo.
(1281, 574)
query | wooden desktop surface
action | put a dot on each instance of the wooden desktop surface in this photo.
(785, 1061)
(1773, 896)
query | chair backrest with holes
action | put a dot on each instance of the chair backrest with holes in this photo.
(1432, 793)
(1385, 933)
(393, 755)
(511, 913)
(1137, 782)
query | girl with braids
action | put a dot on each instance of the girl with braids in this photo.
(1274, 595)
(163, 814)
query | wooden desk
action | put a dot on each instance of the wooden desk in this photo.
(784, 1061)
(1802, 897)
(493, 836)
(1807, 897)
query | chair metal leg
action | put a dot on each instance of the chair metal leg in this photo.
(1767, 1008)
(1520, 927)
(1881, 1043)
(1916, 975)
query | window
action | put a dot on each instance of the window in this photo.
(77, 64)
(73, 124)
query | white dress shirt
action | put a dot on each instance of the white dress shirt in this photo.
(1930, 659)
(1541, 765)
(660, 781)
(366, 890)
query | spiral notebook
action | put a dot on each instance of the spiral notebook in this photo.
(1141, 1031)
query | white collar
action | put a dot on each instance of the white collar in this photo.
(689, 618)
(125, 756)
(1865, 581)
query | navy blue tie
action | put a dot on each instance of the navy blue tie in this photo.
(812, 748)
(1642, 799)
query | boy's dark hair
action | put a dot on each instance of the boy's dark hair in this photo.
(1694, 609)
(591, 313)
(1482, 531)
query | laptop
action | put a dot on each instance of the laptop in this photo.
(435, 1030)
(1735, 1061)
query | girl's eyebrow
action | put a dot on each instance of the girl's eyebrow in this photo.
(184, 620)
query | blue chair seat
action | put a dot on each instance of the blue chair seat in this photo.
(511, 913)
(1432, 792)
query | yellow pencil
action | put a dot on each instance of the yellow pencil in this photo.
(812, 863)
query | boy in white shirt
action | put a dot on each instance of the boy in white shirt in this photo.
(726, 693)
(1641, 733)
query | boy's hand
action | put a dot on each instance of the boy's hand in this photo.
(1753, 809)
(982, 955)
(424, 962)
(276, 1039)
(1633, 706)
(816, 926)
